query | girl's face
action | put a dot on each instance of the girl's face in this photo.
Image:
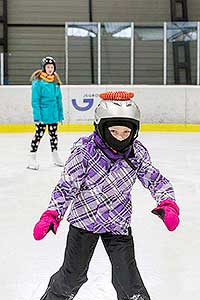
(120, 132)
(49, 68)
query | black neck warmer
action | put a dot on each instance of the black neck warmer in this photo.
(119, 146)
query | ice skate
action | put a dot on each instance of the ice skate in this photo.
(32, 164)
(56, 159)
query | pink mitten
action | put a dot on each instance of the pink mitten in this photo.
(48, 221)
(168, 211)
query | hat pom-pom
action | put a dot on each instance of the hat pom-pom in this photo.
(117, 96)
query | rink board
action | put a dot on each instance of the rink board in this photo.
(163, 108)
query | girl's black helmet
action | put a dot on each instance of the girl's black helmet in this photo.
(48, 60)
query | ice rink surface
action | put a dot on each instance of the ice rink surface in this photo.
(169, 262)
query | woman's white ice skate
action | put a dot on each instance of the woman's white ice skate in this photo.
(32, 164)
(56, 159)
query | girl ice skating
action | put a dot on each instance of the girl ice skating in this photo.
(97, 180)
(47, 109)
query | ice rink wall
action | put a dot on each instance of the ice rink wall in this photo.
(174, 108)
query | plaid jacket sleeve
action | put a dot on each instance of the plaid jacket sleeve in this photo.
(151, 178)
(69, 183)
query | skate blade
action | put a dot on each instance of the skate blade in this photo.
(33, 168)
(58, 165)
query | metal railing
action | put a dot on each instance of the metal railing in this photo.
(111, 53)
(2, 67)
(133, 35)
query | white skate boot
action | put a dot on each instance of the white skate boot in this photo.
(32, 164)
(56, 159)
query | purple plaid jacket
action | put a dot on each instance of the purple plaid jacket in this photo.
(96, 183)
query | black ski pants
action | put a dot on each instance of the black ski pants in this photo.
(126, 279)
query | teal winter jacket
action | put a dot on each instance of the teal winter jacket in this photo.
(46, 102)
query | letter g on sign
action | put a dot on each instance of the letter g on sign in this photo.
(88, 101)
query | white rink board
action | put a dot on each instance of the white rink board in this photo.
(158, 104)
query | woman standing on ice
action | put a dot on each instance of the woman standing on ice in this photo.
(97, 180)
(47, 109)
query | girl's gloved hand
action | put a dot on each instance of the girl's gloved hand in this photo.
(168, 211)
(48, 221)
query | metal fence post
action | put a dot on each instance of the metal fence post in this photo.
(66, 55)
(198, 51)
(132, 54)
(99, 53)
(2, 68)
(164, 53)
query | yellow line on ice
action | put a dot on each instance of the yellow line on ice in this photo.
(17, 128)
